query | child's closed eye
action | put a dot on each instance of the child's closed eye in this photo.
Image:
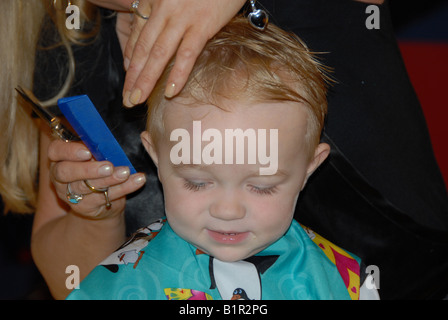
(263, 190)
(197, 186)
(194, 186)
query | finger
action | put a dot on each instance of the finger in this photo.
(137, 62)
(187, 53)
(59, 150)
(143, 38)
(140, 56)
(68, 171)
(94, 204)
(117, 191)
(161, 52)
(136, 29)
(119, 175)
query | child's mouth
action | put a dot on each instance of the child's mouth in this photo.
(228, 237)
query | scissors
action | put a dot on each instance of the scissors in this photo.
(58, 129)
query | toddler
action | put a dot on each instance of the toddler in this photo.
(234, 150)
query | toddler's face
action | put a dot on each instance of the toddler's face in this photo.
(230, 211)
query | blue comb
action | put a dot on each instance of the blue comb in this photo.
(93, 131)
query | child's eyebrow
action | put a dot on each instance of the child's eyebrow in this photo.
(278, 173)
(251, 173)
(184, 166)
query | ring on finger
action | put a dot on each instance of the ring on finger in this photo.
(72, 197)
(134, 9)
(105, 191)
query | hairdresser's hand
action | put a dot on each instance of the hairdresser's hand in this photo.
(174, 27)
(72, 163)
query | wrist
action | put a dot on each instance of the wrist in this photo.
(107, 233)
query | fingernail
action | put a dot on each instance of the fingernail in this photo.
(126, 63)
(135, 96)
(126, 96)
(140, 179)
(83, 154)
(105, 170)
(122, 173)
(169, 91)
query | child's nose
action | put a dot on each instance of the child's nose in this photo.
(228, 207)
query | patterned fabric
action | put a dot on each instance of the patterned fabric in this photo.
(157, 264)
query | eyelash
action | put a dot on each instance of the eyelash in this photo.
(189, 185)
(192, 186)
(265, 191)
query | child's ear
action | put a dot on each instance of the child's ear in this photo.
(149, 146)
(320, 154)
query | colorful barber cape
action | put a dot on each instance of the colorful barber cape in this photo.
(157, 264)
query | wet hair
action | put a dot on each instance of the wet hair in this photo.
(242, 63)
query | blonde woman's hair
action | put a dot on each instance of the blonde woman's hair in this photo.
(19, 141)
(240, 62)
(19, 138)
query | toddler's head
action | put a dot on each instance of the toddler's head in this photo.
(253, 98)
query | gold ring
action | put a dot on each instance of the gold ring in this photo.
(100, 190)
(134, 9)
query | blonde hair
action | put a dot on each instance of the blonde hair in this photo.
(19, 28)
(241, 62)
(19, 141)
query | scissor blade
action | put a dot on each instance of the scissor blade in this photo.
(54, 122)
(35, 104)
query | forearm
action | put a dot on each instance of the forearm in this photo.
(74, 240)
(61, 237)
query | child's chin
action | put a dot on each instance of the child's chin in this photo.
(231, 255)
